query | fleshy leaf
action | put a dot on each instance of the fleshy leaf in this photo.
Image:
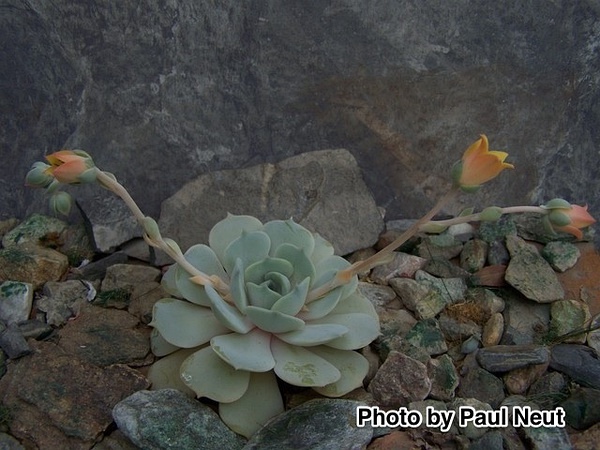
(288, 231)
(159, 346)
(362, 330)
(184, 324)
(323, 306)
(209, 376)
(261, 402)
(279, 282)
(261, 295)
(273, 321)
(327, 270)
(204, 259)
(228, 315)
(352, 365)
(323, 249)
(312, 335)
(301, 367)
(165, 373)
(169, 281)
(303, 267)
(229, 229)
(238, 286)
(250, 351)
(249, 247)
(293, 302)
(356, 303)
(256, 273)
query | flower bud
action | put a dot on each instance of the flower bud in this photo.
(61, 202)
(490, 214)
(38, 176)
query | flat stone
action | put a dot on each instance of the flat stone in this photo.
(551, 386)
(525, 322)
(439, 246)
(579, 362)
(471, 431)
(103, 337)
(127, 276)
(58, 401)
(569, 317)
(33, 229)
(402, 265)
(493, 330)
(503, 358)
(320, 424)
(31, 263)
(581, 281)
(444, 378)
(457, 330)
(498, 230)
(16, 299)
(451, 289)
(379, 296)
(317, 189)
(443, 268)
(482, 385)
(166, 418)
(517, 381)
(498, 253)
(531, 274)
(13, 342)
(425, 302)
(486, 299)
(561, 255)
(399, 381)
(96, 270)
(35, 329)
(427, 335)
(474, 254)
(582, 408)
(62, 300)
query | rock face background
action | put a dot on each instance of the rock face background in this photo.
(162, 91)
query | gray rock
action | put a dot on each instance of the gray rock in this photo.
(517, 381)
(427, 335)
(582, 408)
(399, 381)
(482, 385)
(493, 330)
(473, 255)
(498, 230)
(62, 300)
(549, 389)
(96, 270)
(322, 191)
(525, 322)
(579, 362)
(33, 229)
(379, 296)
(451, 289)
(320, 424)
(443, 268)
(112, 223)
(457, 330)
(127, 276)
(492, 440)
(13, 342)
(31, 263)
(593, 337)
(502, 358)
(439, 246)
(471, 430)
(166, 418)
(16, 299)
(561, 255)
(489, 302)
(531, 227)
(498, 253)
(543, 438)
(530, 274)
(35, 329)
(7, 442)
(444, 378)
(422, 300)
(569, 317)
(402, 265)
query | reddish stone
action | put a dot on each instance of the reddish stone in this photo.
(582, 282)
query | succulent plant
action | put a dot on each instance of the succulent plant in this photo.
(229, 342)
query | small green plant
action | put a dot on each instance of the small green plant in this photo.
(270, 300)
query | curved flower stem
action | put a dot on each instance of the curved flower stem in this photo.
(382, 256)
(477, 216)
(200, 277)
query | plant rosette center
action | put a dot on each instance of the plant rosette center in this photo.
(230, 341)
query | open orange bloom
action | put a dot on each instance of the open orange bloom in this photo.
(67, 166)
(479, 164)
(580, 218)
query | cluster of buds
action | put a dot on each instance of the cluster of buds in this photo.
(66, 167)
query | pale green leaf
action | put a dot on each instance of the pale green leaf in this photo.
(249, 247)
(352, 365)
(185, 324)
(204, 259)
(312, 335)
(322, 306)
(362, 330)
(323, 249)
(228, 230)
(293, 302)
(273, 321)
(250, 351)
(303, 267)
(227, 314)
(159, 346)
(261, 402)
(165, 373)
(238, 287)
(261, 295)
(256, 273)
(209, 376)
(288, 231)
(301, 367)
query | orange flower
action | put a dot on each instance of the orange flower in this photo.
(479, 165)
(70, 166)
(578, 216)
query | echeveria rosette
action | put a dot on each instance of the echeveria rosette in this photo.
(230, 346)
